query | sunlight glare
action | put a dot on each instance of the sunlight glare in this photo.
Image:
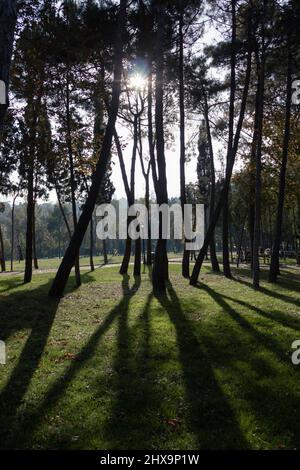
(137, 81)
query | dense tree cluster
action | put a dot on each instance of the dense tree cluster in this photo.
(89, 79)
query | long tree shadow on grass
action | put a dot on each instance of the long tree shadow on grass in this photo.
(210, 416)
(134, 421)
(274, 401)
(287, 281)
(22, 432)
(24, 309)
(284, 319)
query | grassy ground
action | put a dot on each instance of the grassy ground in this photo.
(112, 366)
(53, 263)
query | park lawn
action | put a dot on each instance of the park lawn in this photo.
(53, 263)
(111, 366)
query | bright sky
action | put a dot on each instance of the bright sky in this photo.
(172, 154)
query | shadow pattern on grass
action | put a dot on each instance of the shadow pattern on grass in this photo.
(19, 435)
(210, 415)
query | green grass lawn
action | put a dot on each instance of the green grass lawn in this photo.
(53, 263)
(111, 366)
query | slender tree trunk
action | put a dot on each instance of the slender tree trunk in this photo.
(274, 268)
(149, 243)
(252, 171)
(12, 243)
(160, 267)
(225, 238)
(63, 212)
(29, 229)
(129, 190)
(104, 246)
(2, 254)
(213, 255)
(239, 248)
(257, 212)
(72, 252)
(230, 244)
(92, 245)
(8, 17)
(150, 131)
(185, 267)
(137, 257)
(35, 260)
(72, 174)
(127, 250)
(146, 174)
(127, 254)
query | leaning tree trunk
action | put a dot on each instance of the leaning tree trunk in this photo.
(213, 255)
(130, 198)
(8, 17)
(274, 268)
(62, 211)
(226, 185)
(72, 252)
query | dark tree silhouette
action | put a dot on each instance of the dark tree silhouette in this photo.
(72, 251)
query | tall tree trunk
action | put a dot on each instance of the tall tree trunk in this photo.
(127, 254)
(2, 254)
(35, 260)
(213, 256)
(72, 174)
(150, 130)
(146, 174)
(252, 170)
(8, 17)
(12, 243)
(225, 189)
(127, 250)
(92, 245)
(72, 252)
(104, 246)
(149, 243)
(63, 211)
(137, 244)
(160, 267)
(239, 248)
(225, 237)
(129, 190)
(137, 257)
(257, 212)
(274, 268)
(29, 229)
(185, 267)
